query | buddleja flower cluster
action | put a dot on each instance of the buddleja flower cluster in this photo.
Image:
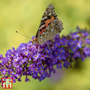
(39, 61)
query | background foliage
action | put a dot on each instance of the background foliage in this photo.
(25, 16)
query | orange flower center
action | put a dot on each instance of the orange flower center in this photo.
(26, 53)
(21, 61)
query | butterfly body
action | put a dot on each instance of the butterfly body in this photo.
(49, 27)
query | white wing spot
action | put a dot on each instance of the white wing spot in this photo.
(44, 18)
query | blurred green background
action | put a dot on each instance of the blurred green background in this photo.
(25, 16)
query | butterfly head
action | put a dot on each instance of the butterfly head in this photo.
(34, 40)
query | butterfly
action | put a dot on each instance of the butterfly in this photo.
(49, 27)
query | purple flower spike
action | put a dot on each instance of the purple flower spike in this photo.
(38, 61)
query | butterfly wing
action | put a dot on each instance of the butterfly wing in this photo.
(50, 25)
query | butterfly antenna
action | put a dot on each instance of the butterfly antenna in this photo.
(22, 34)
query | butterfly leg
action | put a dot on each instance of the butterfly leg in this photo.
(38, 50)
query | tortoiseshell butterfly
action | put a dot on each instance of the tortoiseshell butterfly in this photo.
(49, 27)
